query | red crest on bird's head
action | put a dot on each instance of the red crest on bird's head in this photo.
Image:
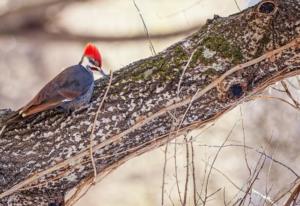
(91, 50)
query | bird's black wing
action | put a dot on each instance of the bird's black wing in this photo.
(66, 86)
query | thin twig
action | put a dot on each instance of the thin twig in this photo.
(194, 175)
(266, 97)
(267, 191)
(184, 70)
(276, 89)
(204, 178)
(77, 195)
(224, 197)
(257, 171)
(237, 5)
(187, 172)
(166, 160)
(212, 194)
(292, 85)
(94, 126)
(213, 162)
(183, 10)
(164, 174)
(266, 198)
(74, 198)
(284, 191)
(255, 150)
(145, 28)
(176, 173)
(289, 94)
(174, 122)
(294, 196)
(244, 141)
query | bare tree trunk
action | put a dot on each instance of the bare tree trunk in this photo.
(189, 84)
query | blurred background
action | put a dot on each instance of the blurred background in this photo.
(39, 38)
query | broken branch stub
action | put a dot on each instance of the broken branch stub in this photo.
(226, 61)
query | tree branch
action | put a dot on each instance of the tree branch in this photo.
(46, 35)
(44, 157)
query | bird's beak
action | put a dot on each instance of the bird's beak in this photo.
(99, 69)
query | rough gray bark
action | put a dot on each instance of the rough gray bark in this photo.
(187, 85)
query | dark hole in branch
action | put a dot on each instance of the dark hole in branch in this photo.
(266, 8)
(236, 90)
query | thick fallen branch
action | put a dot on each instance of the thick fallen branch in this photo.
(29, 21)
(231, 58)
(47, 35)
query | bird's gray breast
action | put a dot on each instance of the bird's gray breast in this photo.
(84, 85)
(80, 100)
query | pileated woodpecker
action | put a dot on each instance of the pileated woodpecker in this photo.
(70, 89)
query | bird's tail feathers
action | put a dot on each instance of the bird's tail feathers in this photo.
(12, 117)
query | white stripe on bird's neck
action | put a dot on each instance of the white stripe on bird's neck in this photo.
(86, 64)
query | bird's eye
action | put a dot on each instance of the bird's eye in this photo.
(267, 7)
(93, 62)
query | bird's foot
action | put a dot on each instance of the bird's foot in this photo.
(66, 111)
(81, 109)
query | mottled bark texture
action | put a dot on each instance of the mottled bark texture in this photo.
(187, 85)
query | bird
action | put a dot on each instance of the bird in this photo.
(70, 89)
